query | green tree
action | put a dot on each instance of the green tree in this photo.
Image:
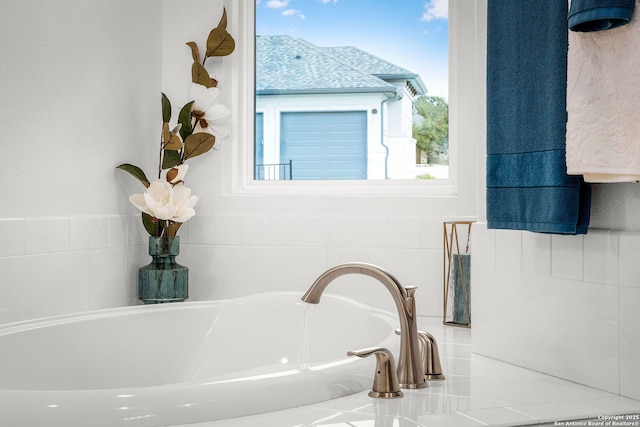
(431, 126)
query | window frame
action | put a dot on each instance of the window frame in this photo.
(465, 85)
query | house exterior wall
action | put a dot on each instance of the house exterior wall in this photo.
(396, 113)
(399, 137)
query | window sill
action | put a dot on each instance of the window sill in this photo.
(375, 188)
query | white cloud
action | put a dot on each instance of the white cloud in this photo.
(277, 4)
(293, 12)
(436, 9)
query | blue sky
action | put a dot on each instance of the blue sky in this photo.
(409, 33)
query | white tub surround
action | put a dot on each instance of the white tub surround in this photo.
(478, 391)
(563, 305)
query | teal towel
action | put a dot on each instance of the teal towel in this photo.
(527, 184)
(599, 15)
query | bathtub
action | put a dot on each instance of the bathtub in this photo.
(188, 362)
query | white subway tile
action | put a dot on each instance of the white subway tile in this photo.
(314, 230)
(343, 231)
(227, 229)
(13, 237)
(99, 232)
(44, 285)
(483, 245)
(373, 231)
(256, 230)
(509, 250)
(629, 255)
(136, 233)
(199, 230)
(117, 231)
(58, 229)
(499, 416)
(227, 275)
(630, 315)
(404, 232)
(36, 236)
(109, 279)
(567, 256)
(79, 233)
(601, 257)
(548, 325)
(285, 230)
(431, 232)
(629, 370)
(536, 254)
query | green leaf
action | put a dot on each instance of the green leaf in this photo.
(170, 159)
(200, 75)
(220, 42)
(184, 118)
(152, 225)
(136, 172)
(197, 144)
(166, 109)
(195, 52)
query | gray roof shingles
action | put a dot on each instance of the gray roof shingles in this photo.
(286, 64)
(366, 62)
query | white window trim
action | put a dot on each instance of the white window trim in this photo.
(465, 121)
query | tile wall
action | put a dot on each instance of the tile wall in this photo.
(563, 305)
(56, 265)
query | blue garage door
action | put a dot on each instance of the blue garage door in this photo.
(325, 145)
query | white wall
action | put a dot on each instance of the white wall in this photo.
(71, 240)
(77, 85)
(80, 94)
(563, 305)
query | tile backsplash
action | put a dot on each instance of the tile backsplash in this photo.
(56, 265)
(563, 305)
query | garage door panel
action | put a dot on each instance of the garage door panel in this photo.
(325, 145)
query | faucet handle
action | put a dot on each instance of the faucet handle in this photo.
(385, 382)
(430, 356)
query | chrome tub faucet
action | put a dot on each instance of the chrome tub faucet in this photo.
(410, 370)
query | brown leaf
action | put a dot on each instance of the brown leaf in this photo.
(223, 19)
(195, 52)
(171, 140)
(197, 144)
(220, 42)
(200, 75)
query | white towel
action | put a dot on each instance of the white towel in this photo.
(603, 104)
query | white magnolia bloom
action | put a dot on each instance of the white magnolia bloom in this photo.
(185, 202)
(166, 202)
(176, 174)
(211, 117)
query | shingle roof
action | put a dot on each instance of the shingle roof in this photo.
(364, 61)
(286, 64)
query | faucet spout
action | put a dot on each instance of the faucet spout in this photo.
(410, 370)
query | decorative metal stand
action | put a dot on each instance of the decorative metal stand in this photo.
(457, 274)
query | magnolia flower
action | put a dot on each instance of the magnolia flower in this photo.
(176, 174)
(211, 117)
(166, 202)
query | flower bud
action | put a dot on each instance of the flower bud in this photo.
(176, 175)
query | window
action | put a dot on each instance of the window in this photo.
(467, 27)
(363, 100)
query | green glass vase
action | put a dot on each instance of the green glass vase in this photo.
(163, 280)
